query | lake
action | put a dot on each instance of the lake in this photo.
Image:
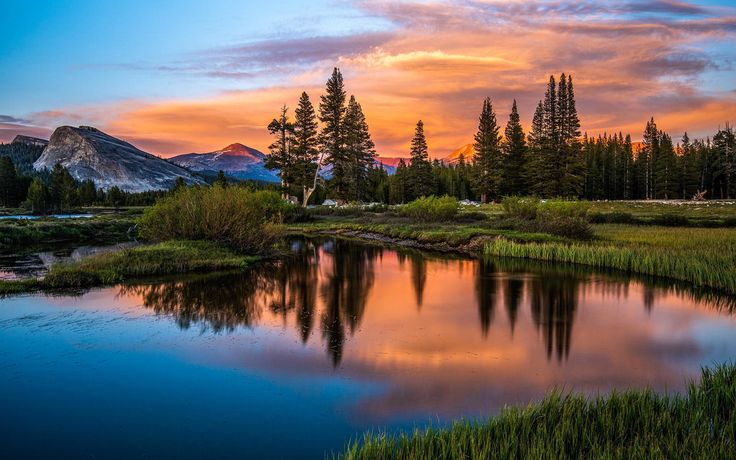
(292, 359)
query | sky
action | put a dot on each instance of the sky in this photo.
(185, 76)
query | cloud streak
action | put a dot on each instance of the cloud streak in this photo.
(438, 60)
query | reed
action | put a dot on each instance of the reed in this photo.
(708, 264)
(701, 423)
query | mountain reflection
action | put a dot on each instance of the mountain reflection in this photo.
(331, 284)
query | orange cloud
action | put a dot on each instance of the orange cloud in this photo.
(439, 60)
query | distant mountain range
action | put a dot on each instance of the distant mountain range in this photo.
(236, 160)
(89, 153)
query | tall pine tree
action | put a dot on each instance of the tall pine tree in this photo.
(420, 169)
(332, 138)
(280, 150)
(306, 147)
(359, 149)
(514, 149)
(488, 172)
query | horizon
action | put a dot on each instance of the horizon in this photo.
(205, 84)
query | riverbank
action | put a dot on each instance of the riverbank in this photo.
(704, 258)
(167, 258)
(631, 424)
(48, 231)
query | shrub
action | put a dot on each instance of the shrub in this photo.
(520, 207)
(671, 220)
(431, 208)
(244, 220)
(559, 208)
(616, 217)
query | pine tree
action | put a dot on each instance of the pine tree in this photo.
(514, 149)
(87, 193)
(665, 168)
(723, 167)
(359, 149)
(280, 150)
(306, 148)
(537, 173)
(646, 156)
(488, 164)
(38, 197)
(8, 182)
(569, 149)
(398, 192)
(332, 138)
(420, 169)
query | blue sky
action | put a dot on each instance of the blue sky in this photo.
(183, 75)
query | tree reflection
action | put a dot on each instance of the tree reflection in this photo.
(513, 289)
(486, 291)
(554, 300)
(220, 303)
(345, 292)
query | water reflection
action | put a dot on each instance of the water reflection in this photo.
(329, 283)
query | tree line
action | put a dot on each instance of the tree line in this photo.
(552, 160)
(57, 190)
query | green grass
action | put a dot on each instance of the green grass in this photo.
(171, 257)
(48, 231)
(633, 424)
(703, 258)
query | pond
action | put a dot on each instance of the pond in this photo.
(292, 359)
(52, 216)
(34, 264)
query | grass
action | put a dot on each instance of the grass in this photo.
(49, 231)
(171, 257)
(633, 424)
(699, 257)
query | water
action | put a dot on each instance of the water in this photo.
(16, 266)
(54, 216)
(291, 360)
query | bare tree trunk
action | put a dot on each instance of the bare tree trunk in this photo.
(309, 190)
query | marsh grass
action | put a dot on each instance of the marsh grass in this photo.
(431, 209)
(171, 257)
(632, 424)
(703, 259)
(46, 231)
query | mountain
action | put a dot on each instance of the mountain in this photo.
(23, 151)
(88, 153)
(236, 160)
(28, 140)
(467, 151)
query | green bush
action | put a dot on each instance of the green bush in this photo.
(671, 220)
(431, 209)
(568, 219)
(520, 207)
(562, 208)
(616, 217)
(244, 220)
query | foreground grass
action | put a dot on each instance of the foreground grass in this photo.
(633, 424)
(171, 257)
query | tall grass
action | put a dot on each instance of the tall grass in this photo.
(556, 217)
(244, 220)
(631, 424)
(705, 267)
(431, 209)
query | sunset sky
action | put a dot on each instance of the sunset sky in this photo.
(184, 76)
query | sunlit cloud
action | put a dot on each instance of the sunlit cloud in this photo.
(438, 60)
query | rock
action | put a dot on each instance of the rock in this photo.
(329, 202)
(29, 140)
(88, 153)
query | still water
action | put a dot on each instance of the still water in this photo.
(291, 360)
